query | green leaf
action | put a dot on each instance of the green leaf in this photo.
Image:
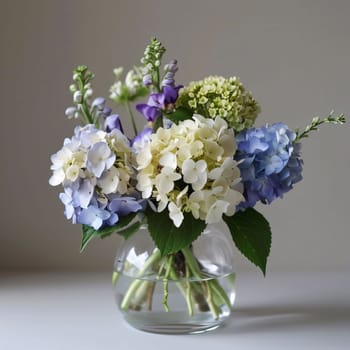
(252, 235)
(130, 230)
(119, 226)
(88, 234)
(123, 228)
(179, 115)
(168, 238)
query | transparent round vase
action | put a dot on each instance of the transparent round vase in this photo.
(191, 291)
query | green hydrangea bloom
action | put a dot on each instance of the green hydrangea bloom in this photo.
(216, 96)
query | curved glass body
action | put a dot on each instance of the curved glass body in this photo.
(188, 292)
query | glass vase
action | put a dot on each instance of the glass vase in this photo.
(191, 291)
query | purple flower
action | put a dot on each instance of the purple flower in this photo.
(107, 111)
(113, 122)
(147, 80)
(124, 205)
(171, 93)
(170, 69)
(158, 102)
(151, 113)
(99, 103)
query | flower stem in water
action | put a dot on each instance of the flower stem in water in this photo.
(138, 282)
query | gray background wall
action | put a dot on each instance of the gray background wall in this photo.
(293, 55)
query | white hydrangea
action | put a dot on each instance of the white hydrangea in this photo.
(190, 168)
(66, 164)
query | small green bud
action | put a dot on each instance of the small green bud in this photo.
(81, 69)
(216, 96)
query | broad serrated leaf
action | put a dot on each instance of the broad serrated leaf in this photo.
(252, 235)
(179, 115)
(122, 228)
(168, 238)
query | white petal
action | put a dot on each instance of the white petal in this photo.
(201, 181)
(72, 172)
(220, 124)
(161, 206)
(229, 145)
(57, 177)
(201, 165)
(85, 193)
(215, 173)
(144, 157)
(109, 181)
(110, 161)
(175, 214)
(234, 198)
(181, 195)
(169, 160)
(188, 165)
(144, 184)
(213, 150)
(164, 183)
(216, 210)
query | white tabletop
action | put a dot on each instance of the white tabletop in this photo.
(77, 311)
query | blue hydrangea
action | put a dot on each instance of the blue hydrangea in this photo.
(95, 215)
(100, 212)
(270, 163)
(96, 183)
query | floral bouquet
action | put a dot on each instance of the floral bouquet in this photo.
(199, 160)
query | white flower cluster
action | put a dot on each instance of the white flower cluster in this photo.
(190, 168)
(129, 89)
(92, 158)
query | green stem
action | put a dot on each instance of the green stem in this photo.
(131, 115)
(137, 283)
(188, 292)
(115, 277)
(199, 297)
(166, 283)
(316, 122)
(140, 296)
(149, 296)
(193, 265)
(213, 307)
(207, 294)
(83, 106)
(173, 276)
(184, 291)
(157, 83)
(86, 113)
(219, 291)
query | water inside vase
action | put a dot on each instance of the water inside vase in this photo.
(183, 305)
